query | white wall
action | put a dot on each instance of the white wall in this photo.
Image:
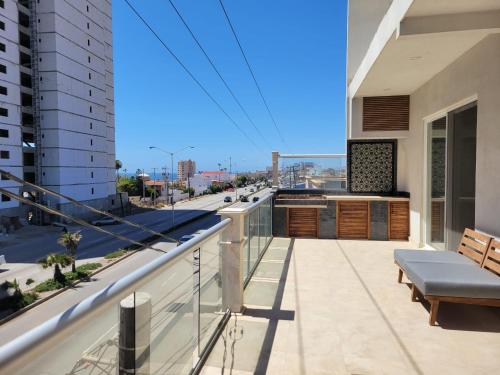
(476, 73)
(363, 20)
(11, 101)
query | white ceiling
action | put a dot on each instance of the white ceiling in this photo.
(405, 64)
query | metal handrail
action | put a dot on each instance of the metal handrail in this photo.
(19, 351)
(311, 156)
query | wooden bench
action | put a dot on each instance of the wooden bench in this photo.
(474, 281)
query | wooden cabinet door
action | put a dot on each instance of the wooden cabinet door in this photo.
(399, 220)
(352, 220)
(303, 222)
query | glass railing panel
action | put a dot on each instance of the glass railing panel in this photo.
(254, 238)
(262, 227)
(172, 323)
(313, 173)
(88, 349)
(246, 248)
(210, 292)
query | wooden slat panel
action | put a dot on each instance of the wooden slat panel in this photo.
(492, 259)
(353, 220)
(399, 220)
(474, 245)
(303, 222)
(437, 221)
(383, 113)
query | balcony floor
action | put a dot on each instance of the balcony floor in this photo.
(335, 307)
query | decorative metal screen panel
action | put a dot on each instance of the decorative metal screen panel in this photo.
(371, 166)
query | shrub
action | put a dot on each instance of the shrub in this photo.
(82, 272)
(115, 254)
(85, 268)
(48, 285)
(18, 300)
(30, 281)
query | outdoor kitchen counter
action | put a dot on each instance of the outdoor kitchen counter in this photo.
(343, 216)
(366, 198)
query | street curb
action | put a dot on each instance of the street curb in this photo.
(148, 240)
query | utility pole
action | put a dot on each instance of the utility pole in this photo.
(172, 181)
(164, 173)
(172, 172)
(143, 186)
(189, 187)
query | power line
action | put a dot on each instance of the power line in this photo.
(71, 218)
(82, 205)
(251, 70)
(191, 75)
(217, 71)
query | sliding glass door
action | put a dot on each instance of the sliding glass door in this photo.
(451, 176)
(436, 175)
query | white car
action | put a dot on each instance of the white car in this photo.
(104, 221)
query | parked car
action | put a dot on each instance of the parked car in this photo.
(104, 221)
(252, 190)
(244, 198)
(255, 199)
(227, 199)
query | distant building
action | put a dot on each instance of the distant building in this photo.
(185, 168)
(57, 126)
(218, 176)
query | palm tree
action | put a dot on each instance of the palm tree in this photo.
(58, 261)
(70, 241)
(118, 166)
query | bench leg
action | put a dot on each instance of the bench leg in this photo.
(400, 276)
(434, 311)
(414, 293)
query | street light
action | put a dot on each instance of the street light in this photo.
(172, 171)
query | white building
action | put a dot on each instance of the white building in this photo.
(427, 73)
(57, 109)
(199, 183)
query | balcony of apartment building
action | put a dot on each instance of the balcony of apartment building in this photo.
(302, 281)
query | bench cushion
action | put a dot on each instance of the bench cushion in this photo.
(453, 280)
(402, 257)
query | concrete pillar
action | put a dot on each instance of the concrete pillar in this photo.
(275, 169)
(232, 260)
(135, 331)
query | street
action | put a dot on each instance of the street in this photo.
(22, 255)
(70, 297)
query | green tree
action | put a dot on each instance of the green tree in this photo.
(241, 180)
(70, 241)
(118, 166)
(190, 191)
(130, 185)
(57, 261)
(214, 189)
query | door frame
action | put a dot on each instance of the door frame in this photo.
(426, 194)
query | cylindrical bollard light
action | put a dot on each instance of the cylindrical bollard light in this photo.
(134, 339)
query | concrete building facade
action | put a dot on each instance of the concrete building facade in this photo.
(445, 58)
(185, 169)
(58, 127)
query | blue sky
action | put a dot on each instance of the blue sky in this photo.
(296, 49)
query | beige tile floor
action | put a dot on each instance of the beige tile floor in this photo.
(334, 307)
